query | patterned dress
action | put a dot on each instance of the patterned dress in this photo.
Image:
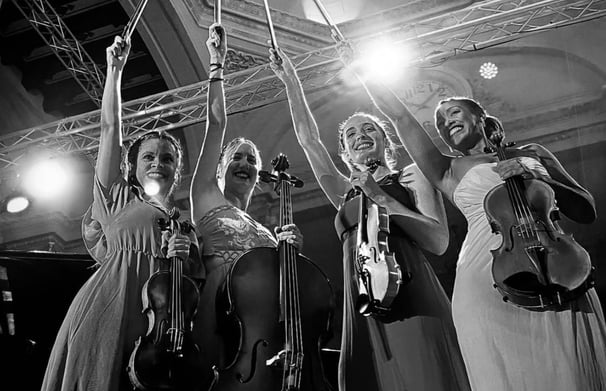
(227, 232)
(105, 319)
(509, 348)
(416, 352)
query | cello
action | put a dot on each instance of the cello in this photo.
(537, 266)
(275, 310)
(167, 358)
(378, 273)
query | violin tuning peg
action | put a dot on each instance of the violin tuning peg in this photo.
(174, 213)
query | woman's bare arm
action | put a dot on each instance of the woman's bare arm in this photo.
(107, 167)
(204, 191)
(333, 183)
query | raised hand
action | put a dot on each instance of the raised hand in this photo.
(281, 65)
(217, 43)
(346, 52)
(117, 53)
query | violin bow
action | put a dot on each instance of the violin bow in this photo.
(270, 25)
(217, 11)
(134, 19)
(335, 33)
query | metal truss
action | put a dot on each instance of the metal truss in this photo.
(437, 39)
(49, 25)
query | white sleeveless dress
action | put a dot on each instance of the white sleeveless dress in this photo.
(508, 348)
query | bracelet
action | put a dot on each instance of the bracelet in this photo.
(215, 79)
(217, 65)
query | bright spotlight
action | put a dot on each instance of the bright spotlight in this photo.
(488, 70)
(382, 60)
(16, 204)
(46, 179)
(151, 188)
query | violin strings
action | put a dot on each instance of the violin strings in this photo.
(518, 201)
(179, 304)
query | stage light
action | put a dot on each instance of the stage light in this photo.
(17, 203)
(382, 60)
(47, 179)
(488, 70)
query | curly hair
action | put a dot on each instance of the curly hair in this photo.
(130, 158)
(226, 154)
(382, 126)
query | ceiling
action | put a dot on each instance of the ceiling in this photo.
(93, 23)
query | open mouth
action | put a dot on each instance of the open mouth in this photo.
(155, 175)
(364, 145)
(455, 129)
(242, 174)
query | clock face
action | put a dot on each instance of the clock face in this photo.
(423, 97)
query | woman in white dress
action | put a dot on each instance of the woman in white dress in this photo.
(504, 347)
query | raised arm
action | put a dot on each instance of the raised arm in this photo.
(204, 192)
(333, 183)
(108, 159)
(413, 136)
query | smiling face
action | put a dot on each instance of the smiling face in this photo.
(242, 169)
(362, 140)
(157, 161)
(458, 125)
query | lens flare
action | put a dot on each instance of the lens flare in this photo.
(383, 59)
(47, 179)
(151, 188)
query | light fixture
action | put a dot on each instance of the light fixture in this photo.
(488, 70)
(16, 202)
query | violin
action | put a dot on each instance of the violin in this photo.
(379, 274)
(166, 358)
(537, 266)
(275, 310)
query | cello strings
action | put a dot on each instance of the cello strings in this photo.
(284, 280)
(294, 329)
(297, 304)
(291, 319)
